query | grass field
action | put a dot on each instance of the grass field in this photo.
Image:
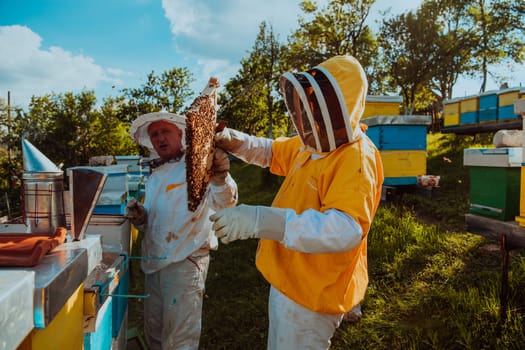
(432, 284)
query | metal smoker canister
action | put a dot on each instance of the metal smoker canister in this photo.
(43, 201)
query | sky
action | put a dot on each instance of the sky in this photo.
(58, 46)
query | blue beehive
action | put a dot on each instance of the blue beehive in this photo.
(402, 142)
(469, 110)
(101, 338)
(506, 100)
(488, 106)
(398, 132)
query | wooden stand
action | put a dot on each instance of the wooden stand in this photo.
(510, 235)
(480, 128)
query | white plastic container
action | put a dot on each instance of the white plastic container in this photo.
(493, 157)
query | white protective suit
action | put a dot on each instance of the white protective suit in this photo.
(175, 247)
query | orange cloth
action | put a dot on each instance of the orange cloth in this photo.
(25, 249)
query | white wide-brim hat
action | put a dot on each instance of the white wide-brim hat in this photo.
(139, 128)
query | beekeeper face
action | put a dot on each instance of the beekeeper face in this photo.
(166, 139)
(324, 114)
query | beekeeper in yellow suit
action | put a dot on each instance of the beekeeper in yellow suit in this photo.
(313, 240)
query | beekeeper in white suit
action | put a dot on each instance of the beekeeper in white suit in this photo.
(313, 240)
(176, 242)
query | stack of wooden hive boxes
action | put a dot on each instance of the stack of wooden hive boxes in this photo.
(401, 139)
(402, 143)
(485, 108)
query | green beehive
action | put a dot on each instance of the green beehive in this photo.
(495, 192)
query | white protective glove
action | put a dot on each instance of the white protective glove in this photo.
(251, 149)
(248, 221)
(230, 140)
(220, 168)
(135, 212)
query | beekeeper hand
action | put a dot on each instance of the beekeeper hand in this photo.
(230, 140)
(249, 148)
(135, 212)
(248, 221)
(220, 168)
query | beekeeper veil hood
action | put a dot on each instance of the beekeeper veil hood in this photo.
(326, 103)
(139, 128)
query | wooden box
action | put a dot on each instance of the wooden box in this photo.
(495, 192)
(469, 118)
(404, 163)
(469, 104)
(451, 120)
(382, 105)
(507, 97)
(507, 112)
(451, 106)
(405, 132)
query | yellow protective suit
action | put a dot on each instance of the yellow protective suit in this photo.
(348, 179)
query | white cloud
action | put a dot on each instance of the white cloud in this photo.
(117, 72)
(30, 69)
(217, 68)
(210, 37)
(186, 17)
(227, 19)
(224, 29)
(216, 35)
(221, 69)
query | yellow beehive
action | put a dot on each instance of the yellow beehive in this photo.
(65, 330)
(451, 112)
(521, 219)
(451, 107)
(404, 163)
(469, 104)
(519, 108)
(522, 193)
(451, 120)
(508, 96)
(382, 105)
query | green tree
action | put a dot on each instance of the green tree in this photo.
(516, 13)
(69, 129)
(453, 44)
(499, 34)
(249, 101)
(111, 134)
(169, 91)
(408, 46)
(37, 123)
(10, 161)
(340, 28)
